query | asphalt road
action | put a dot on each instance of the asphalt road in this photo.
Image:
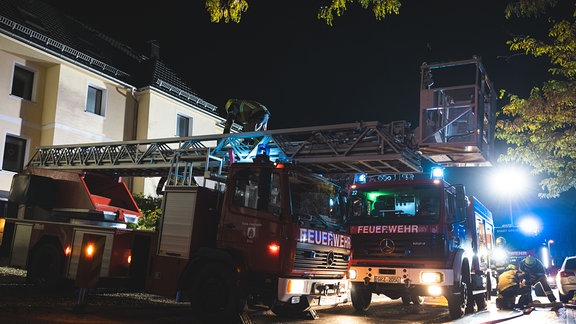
(22, 303)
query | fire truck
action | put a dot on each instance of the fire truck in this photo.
(415, 235)
(253, 218)
(247, 218)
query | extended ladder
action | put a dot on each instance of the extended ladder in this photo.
(362, 147)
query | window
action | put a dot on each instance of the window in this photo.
(246, 189)
(14, 153)
(183, 126)
(94, 103)
(22, 83)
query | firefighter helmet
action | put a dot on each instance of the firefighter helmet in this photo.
(529, 261)
(510, 267)
(500, 241)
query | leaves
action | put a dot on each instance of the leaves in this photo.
(226, 10)
(151, 212)
(528, 8)
(231, 10)
(541, 128)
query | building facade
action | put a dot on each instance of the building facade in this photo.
(62, 82)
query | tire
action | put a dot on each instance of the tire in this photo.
(361, 297)
(214, 294)
(45, 267)
(458, 300)
(481, 301)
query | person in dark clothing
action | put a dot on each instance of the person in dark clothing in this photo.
(534, 273)
(510, 285)
(251, 114)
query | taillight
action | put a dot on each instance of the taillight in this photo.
(89, 250)
(566, 274)
(274, 248)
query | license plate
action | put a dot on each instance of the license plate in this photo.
(330, 300)
(388, 279)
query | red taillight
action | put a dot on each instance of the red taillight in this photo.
(89, 250)
(566, 274)
(273, 248)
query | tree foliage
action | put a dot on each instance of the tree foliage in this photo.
(150, 207)
(231, 10)
(540, 129)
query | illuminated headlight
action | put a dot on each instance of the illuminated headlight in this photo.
(434, 290)
(352, 274)
(295, 287)
(431, 277)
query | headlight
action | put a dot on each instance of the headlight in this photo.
(295, 287)
(352, 274)
(431, 277)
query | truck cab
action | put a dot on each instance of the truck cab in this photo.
(416, 236)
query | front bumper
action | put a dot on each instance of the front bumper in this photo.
(428, 282)
(315, 292)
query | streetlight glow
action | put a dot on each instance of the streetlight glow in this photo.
(509, 181)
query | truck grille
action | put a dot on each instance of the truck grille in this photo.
(371, 246)
(320, 259)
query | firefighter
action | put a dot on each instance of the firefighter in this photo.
(510, 285)
(251, 114)
(534, 272)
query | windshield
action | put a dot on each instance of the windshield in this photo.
(408, 204)
(316, 202)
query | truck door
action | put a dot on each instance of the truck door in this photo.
(251, 222)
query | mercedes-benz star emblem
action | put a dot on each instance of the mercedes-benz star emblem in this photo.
(387, 246)
(330, 258)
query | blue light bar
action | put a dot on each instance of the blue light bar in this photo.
(437, 173)
(360, 178)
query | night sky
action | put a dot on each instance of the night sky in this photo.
(360, 69)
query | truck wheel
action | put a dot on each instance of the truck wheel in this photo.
(214, 294)
(480, 301)
(361, 297)
(45, 267)
(458, 300)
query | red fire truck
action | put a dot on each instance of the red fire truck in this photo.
(272, 234)
(415, 237)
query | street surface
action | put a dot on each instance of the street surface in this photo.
(21, 303)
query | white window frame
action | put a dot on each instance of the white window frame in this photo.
(32, 91)
(103, 98)
(24, 156)
(189, 118)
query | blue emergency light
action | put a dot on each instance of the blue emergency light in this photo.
(437, 173)
(263, 149)
(360, 178)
